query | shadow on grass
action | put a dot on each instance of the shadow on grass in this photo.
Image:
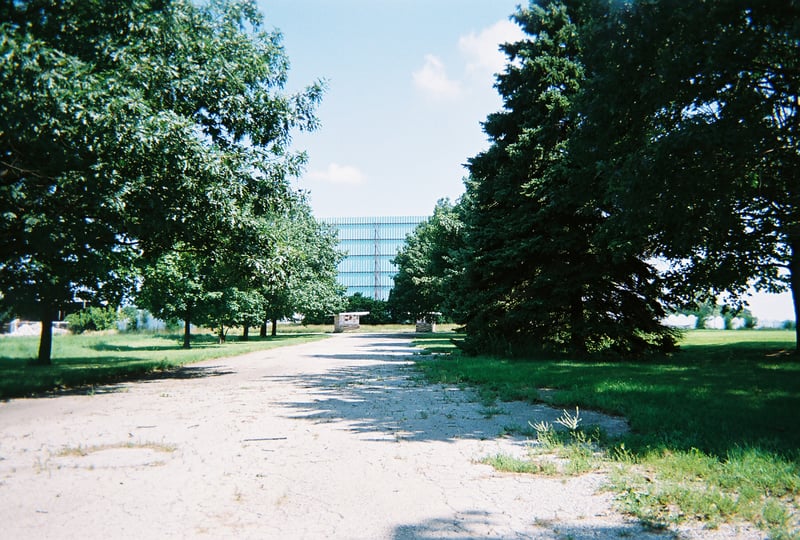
(122, 358)
(713, 397)
(114, 347)
(438, 345)
(76, 376)
(119, 382)
(174, 342)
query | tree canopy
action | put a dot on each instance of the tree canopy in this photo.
(645, 160)
(540, 272)
(692, 126)
(127, 129)
(303, 275)
(427, 266)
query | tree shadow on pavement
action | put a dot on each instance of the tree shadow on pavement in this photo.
(468, 526)
(119, 380)
(375, 392)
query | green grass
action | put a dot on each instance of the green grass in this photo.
(102, 358)
(505, 463)
(713, 427)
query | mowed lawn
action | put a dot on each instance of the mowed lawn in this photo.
(81, 361)
(714, 427)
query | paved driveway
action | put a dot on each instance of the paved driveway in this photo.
(332, 439)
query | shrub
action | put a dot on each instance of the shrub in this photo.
(92, 318)
(378, 309)
(317, 317)
(750, 321)
(130, 315)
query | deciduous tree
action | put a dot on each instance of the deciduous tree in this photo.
(173, 288)
(127, 128)
(427, 265)
(303, 275)
(692, 117)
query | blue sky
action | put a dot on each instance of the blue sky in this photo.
(409, 83)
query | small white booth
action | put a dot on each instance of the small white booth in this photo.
(350, 320)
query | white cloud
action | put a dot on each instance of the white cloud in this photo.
(482, 50)
(339, 174)
(432, 79)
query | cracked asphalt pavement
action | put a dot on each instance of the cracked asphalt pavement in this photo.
(333, 439)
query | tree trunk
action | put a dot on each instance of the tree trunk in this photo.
(245, 333)
(263, 332)
(46, 338)
(221, 334)
(274, 327)
(187, 333)
(794, 283)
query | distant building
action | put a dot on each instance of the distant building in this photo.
(370, 244)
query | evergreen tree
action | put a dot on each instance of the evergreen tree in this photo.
(540, 273)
